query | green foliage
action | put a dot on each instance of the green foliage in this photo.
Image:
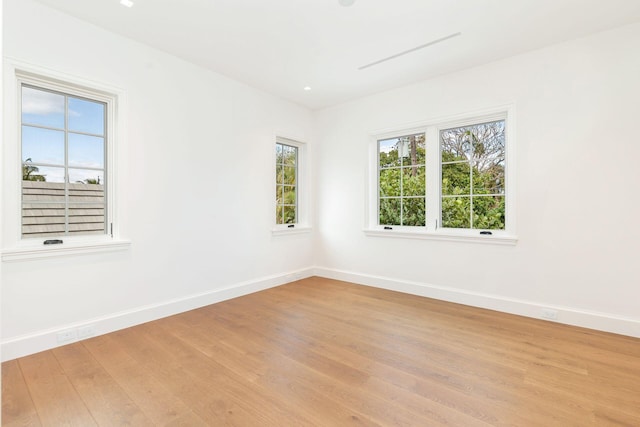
(390, 183)
(456, 212)
(488, 212)
(91, 181)
(414, 181)
(402, 180)
(413, 212)
(30, 172)
(390, 211)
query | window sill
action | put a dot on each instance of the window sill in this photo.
(31, 252)
(449, 236)
(289, 231)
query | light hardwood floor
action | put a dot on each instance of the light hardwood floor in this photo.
(320, 352)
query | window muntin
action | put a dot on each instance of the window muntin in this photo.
(402, 180)
(472, 184)
(63, 145)
(287, 183)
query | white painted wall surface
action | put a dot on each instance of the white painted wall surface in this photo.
(195, 232)
(577, 206)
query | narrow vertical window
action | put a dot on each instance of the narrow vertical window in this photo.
(473, 176)
(286, 184)
(63, 154)
(402, 181)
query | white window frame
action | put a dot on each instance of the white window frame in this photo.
(432, 229)
(302, 225)
(15, 247)
(391, 135)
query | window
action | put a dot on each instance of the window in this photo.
(402, 180)
(63, 157)
(60, 157)
(286, 184)
(448, 178)
(291, 189)
(473, 176)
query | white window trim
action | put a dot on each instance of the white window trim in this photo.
(303, 224)
(432, 231)
(16, 248)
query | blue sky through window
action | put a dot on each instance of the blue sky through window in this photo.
(43, 135)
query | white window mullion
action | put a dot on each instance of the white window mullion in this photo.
(433, 178)
(66, 165)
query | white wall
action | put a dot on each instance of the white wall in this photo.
(577, 205)
(195, 177)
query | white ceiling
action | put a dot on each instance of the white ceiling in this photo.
(281, 46)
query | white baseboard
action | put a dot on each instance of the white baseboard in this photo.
(568, 315)
(13, 348)
(44, 340)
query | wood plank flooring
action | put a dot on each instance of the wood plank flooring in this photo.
(320, 352)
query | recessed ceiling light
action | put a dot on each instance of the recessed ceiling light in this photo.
(127, 3)
(307, 88)
(346, 3)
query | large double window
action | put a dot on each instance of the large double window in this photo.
(444, 176)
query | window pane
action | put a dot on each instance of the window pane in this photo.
(483, 142)
(86, 176)
(412, 149)
(279, 214)
(279, 194)
(455, 144)
(389, 182)
(413, 181)
(40, 107)
(289, 175)
(42, 173)
(290, 155)
(289, 214)
(86, 151)
(289, 195)
(455, 179)
(86, 116)
(43, 219)
(279, 156)
(390, 211)
(489, 181)
(456, 212)
(279, 175)
(388, 153)
(413, 212)
(42, 145)
(86, 219)
(42, 192)
(86, 193)
(488, 212)
(488, 143)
